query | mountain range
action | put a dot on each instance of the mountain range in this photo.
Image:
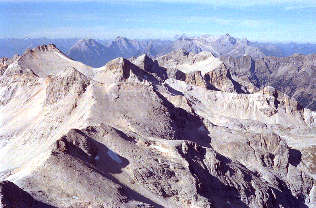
(184, 129)
(98, 52)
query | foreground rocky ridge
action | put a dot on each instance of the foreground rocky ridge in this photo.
(145, 133)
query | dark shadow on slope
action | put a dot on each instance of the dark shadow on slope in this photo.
(175, 74)
(108, 161)
(209, 186)
(100, 158)
(38, 204)
(131, 194)
(107, 165)
(173, 91)
(15, 197)
(223, 195)
(140, 73)
(286, 199)
(152, 67)
(209, 86)
(79, 145)
(295, 157)
(237, 86)
(187, 126)
(253, 77)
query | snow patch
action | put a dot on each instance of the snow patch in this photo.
(114, 156)
(202, 129)
(160, 148)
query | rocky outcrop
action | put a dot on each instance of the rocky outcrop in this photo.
(272, 160)
(120, 70)
(3, 65)
(69, 82)
(220, 78)
(5, 62)
(224, 182)
(195, 78)
(151, 66)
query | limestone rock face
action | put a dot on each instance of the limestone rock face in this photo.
(180, 131)
(221, 79)
(151, 66)
(72, 81)
(293, 75)
(122, 70)
(3, 65)
(195, 78)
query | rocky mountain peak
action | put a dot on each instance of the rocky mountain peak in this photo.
(3, 60)
(43, 48)
(86, 44)
(118, 38)
(228, 39)
(121, 40)
(145, 62)
(47, 47)
(227, 35)
(183, 37)
(48, 60)
(91, 52)
(117, 63)
(120, 68)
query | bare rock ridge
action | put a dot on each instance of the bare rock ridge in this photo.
(184, 130)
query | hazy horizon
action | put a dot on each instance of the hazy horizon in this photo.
(262, 21)
(162, 39)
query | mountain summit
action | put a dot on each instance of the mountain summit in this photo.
(90, 52)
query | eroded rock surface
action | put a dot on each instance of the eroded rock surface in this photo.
(182, 131)
(294, 75)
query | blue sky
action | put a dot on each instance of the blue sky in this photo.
(262, 20)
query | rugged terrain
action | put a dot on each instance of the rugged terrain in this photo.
(185, 130)
(294, 75)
